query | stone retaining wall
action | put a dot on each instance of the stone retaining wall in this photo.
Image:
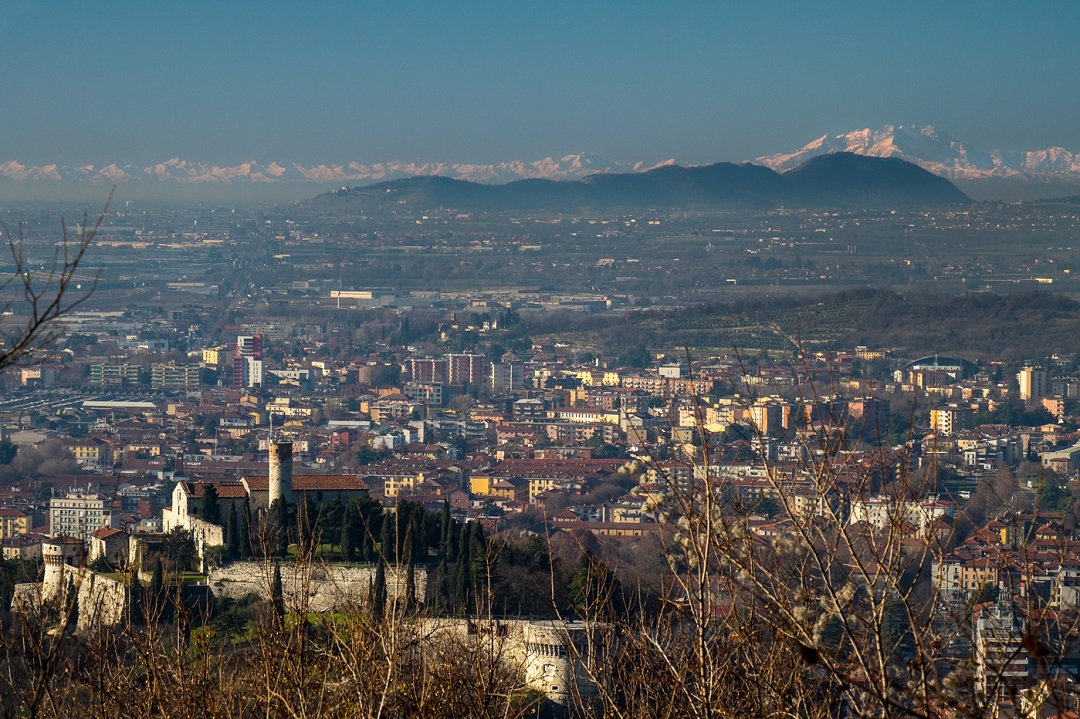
(314, 588)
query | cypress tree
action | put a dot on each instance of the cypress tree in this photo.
(157, 588)
(134, 603)
(210, 509)
(245, 529)
(478, 558)
(453, 537)
(464, 545)
(157, 581)
(348, 546)
(410, 588)
(419, 535)
(277, 593)
(72, 599)
(437, 591)
(306, 518)
(387, 540)
(331, 516)
(280, 514)
(444, 529)
(368, 551)
(378, 605)
(7, 586)
(401, 526)
(459, 597)
(232, 534)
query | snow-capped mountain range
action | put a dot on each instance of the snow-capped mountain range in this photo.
(982, 174)
(1041, 172)
(177, 170)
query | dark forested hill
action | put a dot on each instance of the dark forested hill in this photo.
(837, 180)
(975, 326)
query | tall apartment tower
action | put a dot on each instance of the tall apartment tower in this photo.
(1032, 383)
(281, 471)
(466, 369)
(427, 370)
(507, 377)
(247, 361)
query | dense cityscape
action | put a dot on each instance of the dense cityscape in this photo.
(539, 361)
(448, 441)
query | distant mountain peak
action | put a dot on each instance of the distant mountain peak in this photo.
(939, 153)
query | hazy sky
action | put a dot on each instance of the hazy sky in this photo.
(223, 82)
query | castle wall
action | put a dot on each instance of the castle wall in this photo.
(317, 588)
(101, 599)
(205, 534)
(540, 651)
(314, 588)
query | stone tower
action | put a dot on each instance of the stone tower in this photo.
(281, 467)
(60, 552)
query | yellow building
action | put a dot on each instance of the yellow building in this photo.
(591, 378)
(88, 450)
(13, 523)
(481, 483)
(511, 488)
(217, 356)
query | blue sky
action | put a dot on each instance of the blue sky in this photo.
(87, 82)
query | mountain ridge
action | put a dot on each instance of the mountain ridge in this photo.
(974, 170)
(180, 171)
(984, 175)
(832, 180)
